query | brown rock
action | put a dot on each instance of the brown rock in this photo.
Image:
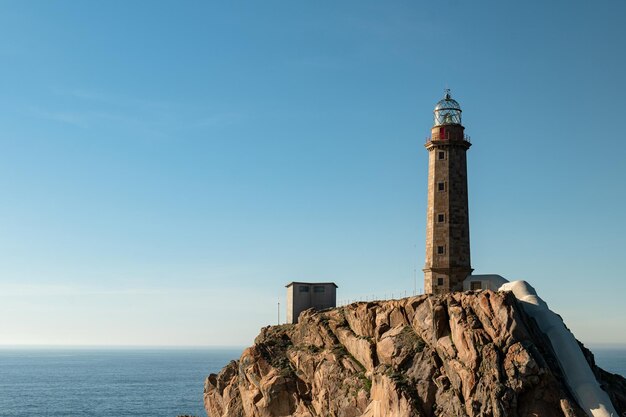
(461, 354)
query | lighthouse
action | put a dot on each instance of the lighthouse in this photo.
(447, 221)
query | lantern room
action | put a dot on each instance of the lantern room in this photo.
(447, 111)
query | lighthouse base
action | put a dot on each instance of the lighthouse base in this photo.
(444, 280)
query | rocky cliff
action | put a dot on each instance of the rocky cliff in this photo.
(461, 354)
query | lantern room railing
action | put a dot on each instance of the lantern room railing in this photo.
(446, 137)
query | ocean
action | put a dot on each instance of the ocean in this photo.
(611, 359)
(152, 382)
(107, 382)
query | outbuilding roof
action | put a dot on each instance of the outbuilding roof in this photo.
(311, 283)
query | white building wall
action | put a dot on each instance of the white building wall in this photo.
(487, 282)
(290, 304)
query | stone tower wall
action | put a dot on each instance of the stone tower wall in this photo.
(447, 220)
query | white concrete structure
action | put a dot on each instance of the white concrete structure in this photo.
(577, 372)
(304, 295)
(578, 375)
(483, 282)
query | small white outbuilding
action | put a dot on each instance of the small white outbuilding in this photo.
(483, 282)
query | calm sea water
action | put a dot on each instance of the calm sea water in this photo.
(611, 359)
(129, 382)
(106, 383)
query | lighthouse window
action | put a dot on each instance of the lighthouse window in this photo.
(441, 218)
(440, 281)
(441, 250)
(441, 186)
(442, 155)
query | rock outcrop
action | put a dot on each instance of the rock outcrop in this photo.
(460, 354)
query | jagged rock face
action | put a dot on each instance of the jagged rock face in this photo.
(460, 354)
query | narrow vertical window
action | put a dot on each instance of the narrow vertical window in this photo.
(440, 281)
(442, 155)
(441, 186)
(441, 250)
(441, 218)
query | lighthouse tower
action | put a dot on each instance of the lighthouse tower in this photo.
(447, 221)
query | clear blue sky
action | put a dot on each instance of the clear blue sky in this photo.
(167, 167)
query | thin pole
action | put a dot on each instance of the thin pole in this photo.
(279, 313)
(414, 270)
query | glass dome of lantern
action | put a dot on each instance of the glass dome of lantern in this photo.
(447, 111)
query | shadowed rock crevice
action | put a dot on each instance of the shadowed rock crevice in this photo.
(460, 354)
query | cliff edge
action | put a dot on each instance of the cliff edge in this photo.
(460, 354)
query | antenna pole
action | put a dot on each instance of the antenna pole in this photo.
(415, 270)
(278, 311)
